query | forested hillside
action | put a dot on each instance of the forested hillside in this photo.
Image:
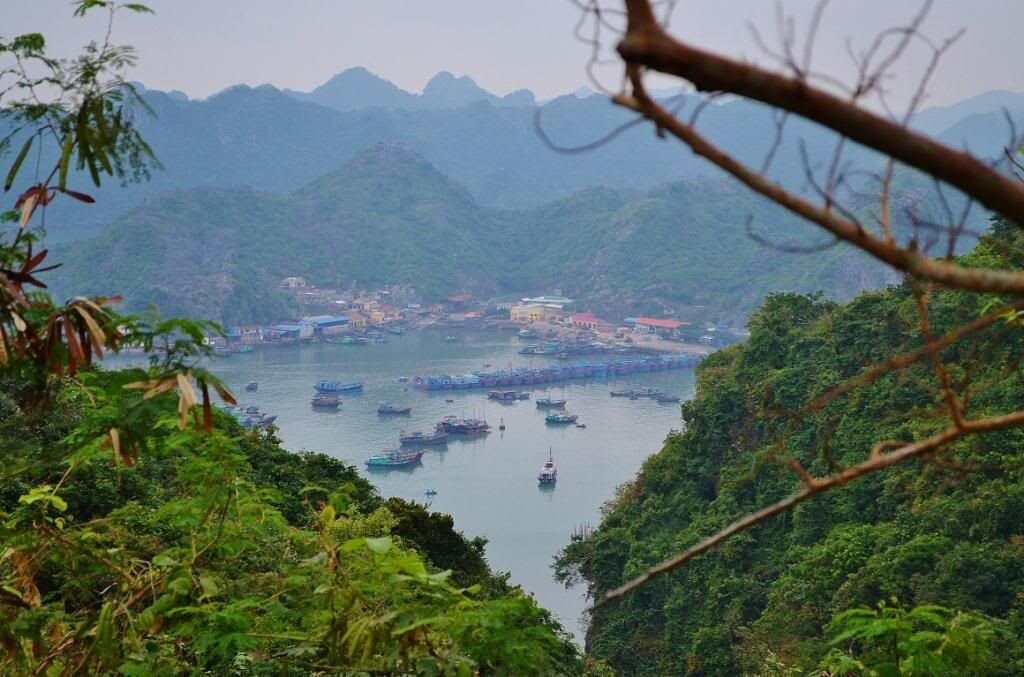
(943, 530)
(389, 217)
(269, 140)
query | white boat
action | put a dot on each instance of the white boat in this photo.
(548, 472)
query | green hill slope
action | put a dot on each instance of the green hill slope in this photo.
(388, 216)
(917, 532)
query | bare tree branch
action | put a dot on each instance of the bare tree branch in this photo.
(647, 44)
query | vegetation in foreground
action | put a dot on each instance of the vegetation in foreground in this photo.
(824, 586)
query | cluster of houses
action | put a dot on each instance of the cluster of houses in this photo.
(557, 310)
(329, 312)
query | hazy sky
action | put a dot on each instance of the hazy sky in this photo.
(202, 46)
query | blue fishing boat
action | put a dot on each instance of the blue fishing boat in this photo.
(332, 386)
(394, 458)
(560, 418)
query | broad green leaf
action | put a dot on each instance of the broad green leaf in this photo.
(13, 171)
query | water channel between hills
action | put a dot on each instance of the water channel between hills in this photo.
(488, 484)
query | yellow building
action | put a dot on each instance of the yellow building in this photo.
(531, 313)
(376, 316)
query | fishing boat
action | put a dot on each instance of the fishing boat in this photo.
(507, 395)
(403, 379)
(431, 492)
(528, 333)
(548, 403)
(397, 331)
(560, 418)
(439, 436)
(464, 426)
(548, 472)
(666, 399)
(581, 425)
(394, 458)
(252, 386)
(450, 339)
(388, 408)
(332, 386)
(324, 401)
(354, 340)
(622, 393)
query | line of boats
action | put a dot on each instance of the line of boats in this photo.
(552, 374)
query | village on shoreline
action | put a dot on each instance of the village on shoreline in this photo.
(559, 328)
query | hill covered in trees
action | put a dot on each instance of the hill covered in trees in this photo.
(389, 217)
(276, 141)
(943, 530)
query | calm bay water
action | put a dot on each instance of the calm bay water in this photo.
(489, 484)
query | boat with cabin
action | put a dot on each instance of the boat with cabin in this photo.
(464, 426)
(325, 401)
(548, 403)
(333, 386)
(417, 438)
(560, 418)
(394, 458)
(548, 473)
(667, 399)
(388, 408)
(252, 386)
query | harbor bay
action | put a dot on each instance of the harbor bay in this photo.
(488, 483)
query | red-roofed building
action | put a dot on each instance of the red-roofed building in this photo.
(585, 321)
(657, 325)
(458, 302)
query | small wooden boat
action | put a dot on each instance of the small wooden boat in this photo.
(548, 403)
(560, 418)
(394, 458)
(252, 386)
(388, 408)
(581, 425)
(325, 401)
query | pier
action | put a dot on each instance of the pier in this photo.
(555, 374)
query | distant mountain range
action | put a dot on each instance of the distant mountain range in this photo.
(388, 216)
(358, 88)
(277, 141)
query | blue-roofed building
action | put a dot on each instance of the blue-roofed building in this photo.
(325, 325)
(288, 331)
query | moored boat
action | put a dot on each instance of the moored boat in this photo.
(560, 418)
(548, 403)
(324, 401)
(464, 426)
(332, 386)
(252, 386)
(548, 473)
(418, 438)
(388, 408)
(393, 458)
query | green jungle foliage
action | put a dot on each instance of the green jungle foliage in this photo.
(145, 532)
(224, 553)
(930, 534)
